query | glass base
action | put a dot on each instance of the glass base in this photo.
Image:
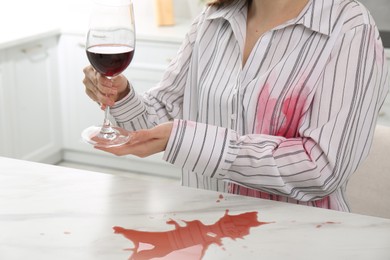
(95, 137)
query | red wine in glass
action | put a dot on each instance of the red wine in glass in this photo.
(110, 60)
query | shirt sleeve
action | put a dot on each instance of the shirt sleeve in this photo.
(164, 102)
(334, 135)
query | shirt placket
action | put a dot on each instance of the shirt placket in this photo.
(234, 117)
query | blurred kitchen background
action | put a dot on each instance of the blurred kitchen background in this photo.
(380, 10)
(43, 107)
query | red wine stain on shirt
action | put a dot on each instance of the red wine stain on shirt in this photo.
(280, 117)
(191, 240)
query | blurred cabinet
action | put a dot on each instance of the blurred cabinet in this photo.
(78, 111)
(150, 61)
(29, 101)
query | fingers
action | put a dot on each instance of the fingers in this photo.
(139, 149)
(98, 87)
(90, 86)
(144, 142)
(160, 131)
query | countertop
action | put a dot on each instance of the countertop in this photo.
(15, 34)
(26, 21)
(52, 212)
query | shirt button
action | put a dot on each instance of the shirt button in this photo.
(233, 116)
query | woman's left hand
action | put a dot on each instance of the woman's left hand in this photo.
(144, 142)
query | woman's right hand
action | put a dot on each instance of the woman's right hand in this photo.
(103, 90)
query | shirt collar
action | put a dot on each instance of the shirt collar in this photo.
(228, 11)
(318, 15)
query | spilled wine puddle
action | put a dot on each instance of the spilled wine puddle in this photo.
(220, 198)
(191, 240)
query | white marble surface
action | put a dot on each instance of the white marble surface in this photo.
(51, 212)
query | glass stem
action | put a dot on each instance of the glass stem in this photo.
(107, 128)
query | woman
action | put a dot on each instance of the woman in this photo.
(275, 99)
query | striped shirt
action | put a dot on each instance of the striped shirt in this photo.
(292, 124)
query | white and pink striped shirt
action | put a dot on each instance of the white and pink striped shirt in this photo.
(292, 124)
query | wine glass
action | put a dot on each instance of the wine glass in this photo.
(110, 48)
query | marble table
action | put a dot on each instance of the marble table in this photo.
(52, 212)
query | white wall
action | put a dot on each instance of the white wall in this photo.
(26, 11)
(53, 9)
(143, 8)
(146, 7)
(380, 10)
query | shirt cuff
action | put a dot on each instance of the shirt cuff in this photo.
(128, 108)
(198, 147)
